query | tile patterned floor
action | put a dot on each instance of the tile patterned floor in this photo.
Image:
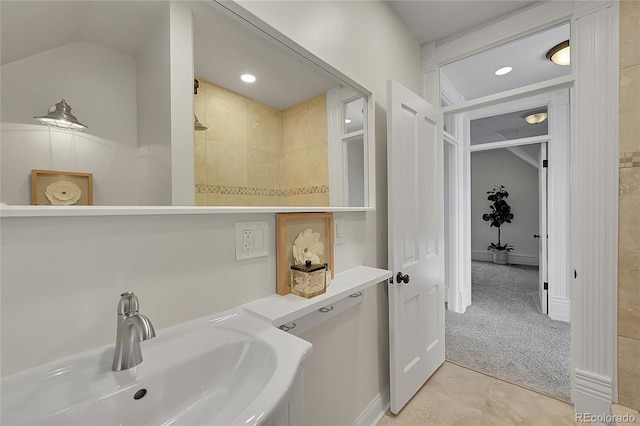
(455, 395)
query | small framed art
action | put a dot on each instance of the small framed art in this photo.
(302, 237)
(57, 188)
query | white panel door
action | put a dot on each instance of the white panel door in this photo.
(416, 239)
(542, 229)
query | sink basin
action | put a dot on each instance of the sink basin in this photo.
(227, 369)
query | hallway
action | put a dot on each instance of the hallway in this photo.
(505, 335)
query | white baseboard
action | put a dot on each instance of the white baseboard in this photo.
(560, 308)
(593, 396)
(375, 410)
(515, 259)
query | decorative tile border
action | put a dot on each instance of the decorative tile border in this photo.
(629, 159)
(242, 190)
(320, 189)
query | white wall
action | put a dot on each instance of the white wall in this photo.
(100, 84)
(383, 48)
(154, 114)
(500, 167)
(182, 266)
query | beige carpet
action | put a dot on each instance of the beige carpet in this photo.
(504, 333)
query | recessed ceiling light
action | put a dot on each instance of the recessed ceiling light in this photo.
(560, 53)
(536, 118)
(503, 70)
(248, 78)
(347, 121)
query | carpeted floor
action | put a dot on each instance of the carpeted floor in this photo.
(504, 333)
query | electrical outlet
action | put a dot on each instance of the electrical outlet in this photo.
(247, 240)
(339, 225)
(252, 240)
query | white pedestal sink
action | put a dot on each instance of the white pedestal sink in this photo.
(227, 369)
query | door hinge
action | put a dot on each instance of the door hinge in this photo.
(546, 286)
(545, 163)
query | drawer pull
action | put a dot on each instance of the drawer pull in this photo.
(326, 309)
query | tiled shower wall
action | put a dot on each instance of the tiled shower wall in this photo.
(306, 165)
(255, 155)
(629, 208)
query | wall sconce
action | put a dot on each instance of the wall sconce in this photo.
(60, 117)
(197, 125)
(560, 53)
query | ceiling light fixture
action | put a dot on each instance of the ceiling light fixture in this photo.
(560, 53)
(536, 118)
(504, 70)
(248, 78)
(60, 117)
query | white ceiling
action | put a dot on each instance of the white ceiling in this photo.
(225, 47)
(506, 126)
(474, 76)
(434, 20)
(31, 27)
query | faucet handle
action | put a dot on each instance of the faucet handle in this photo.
(128, 303)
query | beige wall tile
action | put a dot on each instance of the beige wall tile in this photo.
(199, 106)
(226, 200)
(216, 90)
(226, 164)
(296, 168)
(630, 108)
(629, 295)
(200, 160)
(297, 200)
(629, 372)
(318, 165)
(201, 199)
(264, 128)
(302, 106)
(263, 169)
(629, 210)
(317, 115)
(629, 33)
(295, 132)
(226, 119)
(320, 200)
(257, 200)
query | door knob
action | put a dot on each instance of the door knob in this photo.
(400, 278)
(536, 235)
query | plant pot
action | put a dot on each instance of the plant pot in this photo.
(501, 257)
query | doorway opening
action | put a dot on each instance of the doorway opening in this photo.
(498, 320)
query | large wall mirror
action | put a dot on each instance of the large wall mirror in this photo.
(296, 136)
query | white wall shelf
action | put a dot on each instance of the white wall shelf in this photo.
(281, 310)
(62, 211)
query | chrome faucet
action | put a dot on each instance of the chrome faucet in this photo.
(133, 328)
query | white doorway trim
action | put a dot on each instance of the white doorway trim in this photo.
(593, 113)
(559, 271)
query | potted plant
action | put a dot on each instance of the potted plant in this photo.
(500, 214)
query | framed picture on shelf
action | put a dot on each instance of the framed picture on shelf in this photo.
(57, 188)
(312, 236)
